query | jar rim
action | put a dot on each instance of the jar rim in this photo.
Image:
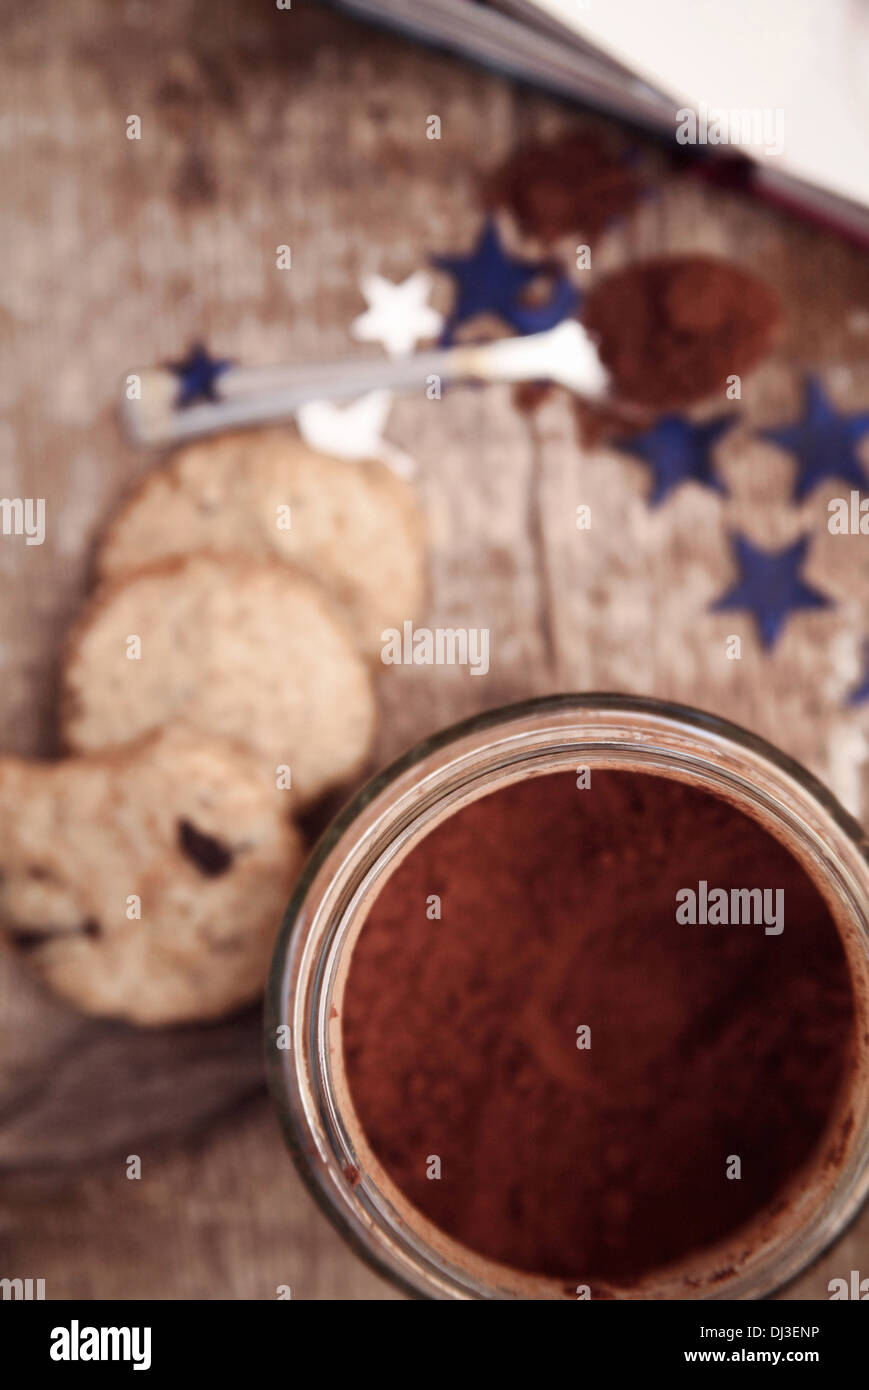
(320, 912)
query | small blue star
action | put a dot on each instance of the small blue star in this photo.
(860, 694)
(771, 586)
(678, 451)
(491, 282)
(536, 318)
(197, 376)
(822, 442)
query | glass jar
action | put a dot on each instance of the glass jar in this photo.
(380, 826)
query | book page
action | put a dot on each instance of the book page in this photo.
(808, 59)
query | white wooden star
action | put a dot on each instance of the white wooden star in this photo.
(398, 316)
(353, 431)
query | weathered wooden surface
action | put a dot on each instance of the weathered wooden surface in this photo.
(263, 127)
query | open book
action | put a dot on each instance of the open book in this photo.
(782, 83)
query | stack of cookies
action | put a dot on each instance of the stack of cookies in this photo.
(218, 681)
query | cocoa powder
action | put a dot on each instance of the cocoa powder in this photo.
(557, 912)
(673, 330)
(576, 183)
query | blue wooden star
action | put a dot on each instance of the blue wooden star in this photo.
(678, 451)
(860, 694)
(536, 318)
(491, 282)
(197, 376)
(771, 586)
(823, 442)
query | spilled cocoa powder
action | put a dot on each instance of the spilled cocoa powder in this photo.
(558, 911)
(673, 330)
(578, 182)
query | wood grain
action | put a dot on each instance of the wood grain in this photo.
(262, 127)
